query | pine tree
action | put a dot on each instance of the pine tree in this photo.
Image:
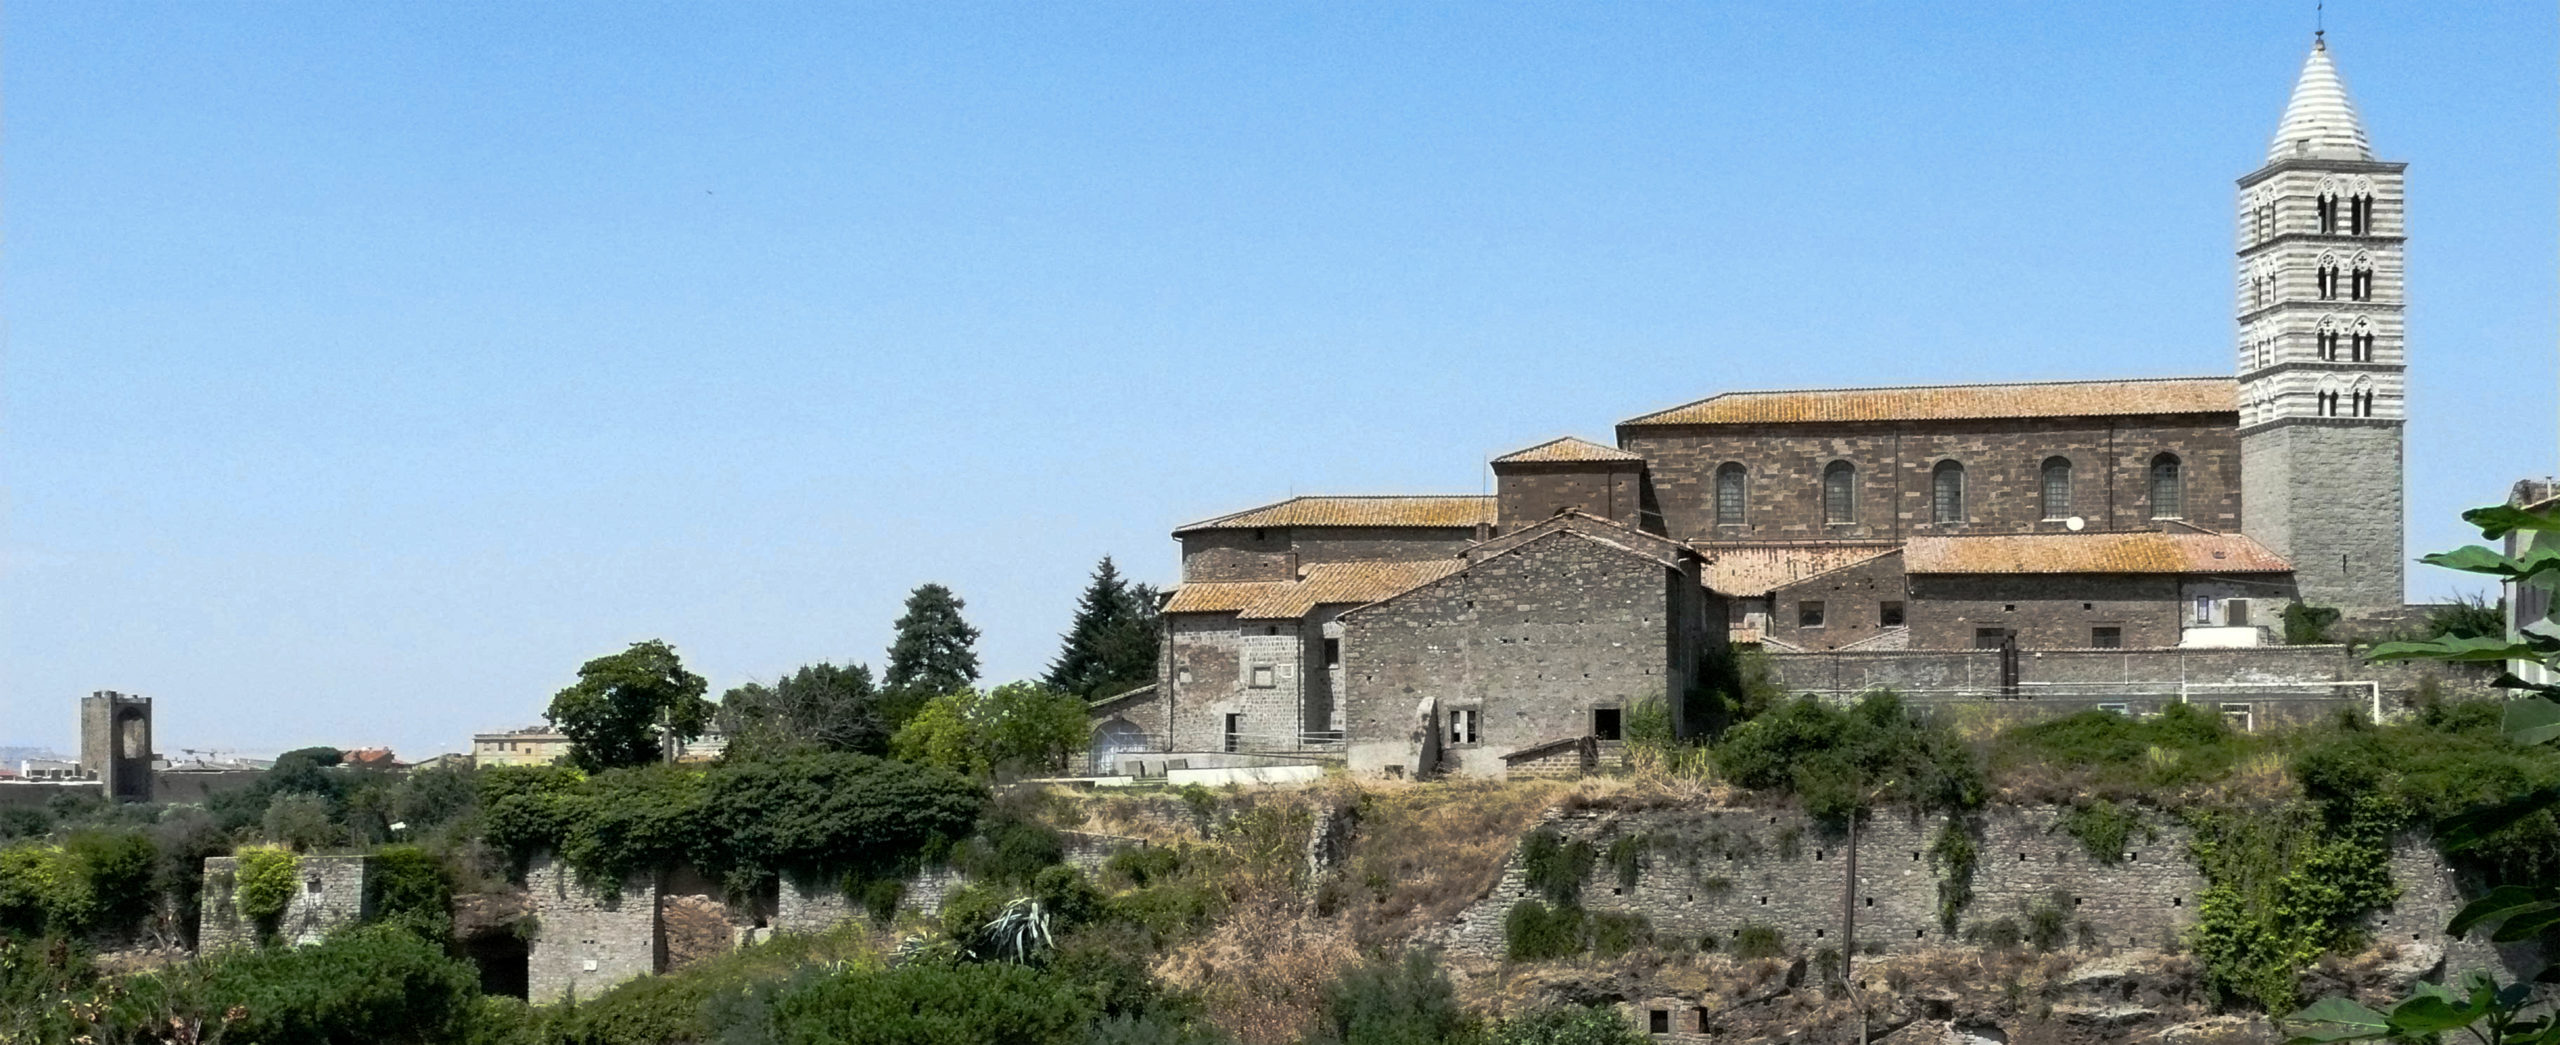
(1111, 646)
(932, 655)
(821, 704)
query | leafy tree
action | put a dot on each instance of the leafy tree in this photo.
(928, 1004)
(822, 814)
(371, 984)
(301, 820)
(306, 771)
(622, 704)
(1833, 757)
(1567, 1025)
(2468, 617)
(934, 652)
(1111, 646)
(1019, 726)
(838, 709)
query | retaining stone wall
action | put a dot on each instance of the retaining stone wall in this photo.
(817, 906)
(584, 941)
(331, 892)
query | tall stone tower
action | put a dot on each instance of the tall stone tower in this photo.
(2322, 350)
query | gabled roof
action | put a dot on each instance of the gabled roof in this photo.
(1358, 583)
(1424, 511)
(2320, 122)
(1658, 551)
(2184, 553)
(2138, 396)
(1568, 450)
(1749, 570)
(1222, 596)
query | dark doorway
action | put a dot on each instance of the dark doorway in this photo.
(503, 959)
(1605, 724)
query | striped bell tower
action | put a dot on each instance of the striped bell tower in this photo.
(2322, 349)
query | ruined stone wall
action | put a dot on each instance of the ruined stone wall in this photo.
(808, 907)
(1532, 640)
(584, 940)
(1715, 871)
(331, 892)
(2003, 461)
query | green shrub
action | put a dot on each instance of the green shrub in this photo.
(1393, 1000)
(1567, 1025)
(1626, 857)
(1754, 941)
(2105, 829)
(409, 883)
(1556, 868)
(933, 1005)
(2122, 758)
(1999, 934)
(1534, 932)
(2308, 625)
(880, 897)
(2468, 616)
(2283, 887)
(1832, 758)
(2049, 923)
(1952, 855)
(370, 984)
(264, 881)
(1011, 849)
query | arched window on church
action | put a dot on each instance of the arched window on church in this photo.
(2328, 339)
(1946, 488)
(2360, 214)
(2361, 288)
(2328, 277)
(1730, 493)
(2328, 399)
(2328, 211)
(2057, 487)
(2168, 488)
(2360, 344)
(1840, 493)
(2361, 399)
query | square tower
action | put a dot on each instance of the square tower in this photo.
(115, 744)
(2322, 350)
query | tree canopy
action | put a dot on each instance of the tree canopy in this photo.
(1111, 646)
(820, 705)
(935, 650)
(1020, 726)
(615, 714)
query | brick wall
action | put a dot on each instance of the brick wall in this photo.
(1532, 640)
(2003, 461)
(2326, 495)
(330, 892)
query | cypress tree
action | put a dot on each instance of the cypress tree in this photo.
(933, 654)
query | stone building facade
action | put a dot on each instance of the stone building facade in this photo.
(2149, 513)
(331, 892)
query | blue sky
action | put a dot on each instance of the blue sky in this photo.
(368, 366)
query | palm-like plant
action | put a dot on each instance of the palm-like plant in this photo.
(1018, 933)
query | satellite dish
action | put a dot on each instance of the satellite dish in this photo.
(2075, 524)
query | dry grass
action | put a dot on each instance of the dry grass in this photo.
(1423, 852)
(1263, 970)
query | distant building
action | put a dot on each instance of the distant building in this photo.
(530, 746)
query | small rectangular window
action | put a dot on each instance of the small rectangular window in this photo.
(2204, 609)
(2241, 717)
(1262, 676)
(1990, 638)
(1660, 1021)
(2118, 709)
(1604, 723)
(1333, 653)
(1235, 733)
(2106, 638)
(1462, 725)
(1889, 614)
(1809, 613)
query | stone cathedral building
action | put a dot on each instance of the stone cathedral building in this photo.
(1498, 634)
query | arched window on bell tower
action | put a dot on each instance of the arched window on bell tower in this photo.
(2328, 399)
(2360, 214)
(2360, 399)
(2328, 210)
(2360, 343)
(2361, 283)
(2328, 278)
(2328, 339)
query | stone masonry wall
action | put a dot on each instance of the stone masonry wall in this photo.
(808, 907)
(2326, 495)
(2045, 611)
(585, 941)
(1533, 640)
(1853, 599)
(1277, 553)
(2003, 461)
(1714, 871)
(330, 892)
(1533, 493)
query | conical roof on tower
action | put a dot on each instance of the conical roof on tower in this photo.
(2320, 121)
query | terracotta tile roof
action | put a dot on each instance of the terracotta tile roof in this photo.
(2177, 395)
(1436, 512)
(1565, 451)
(1222, 596)
(1757, 569)
(1574, 520)
(1358, 583)
(2093, 553)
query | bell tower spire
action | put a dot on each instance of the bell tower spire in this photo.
(2323, 356)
